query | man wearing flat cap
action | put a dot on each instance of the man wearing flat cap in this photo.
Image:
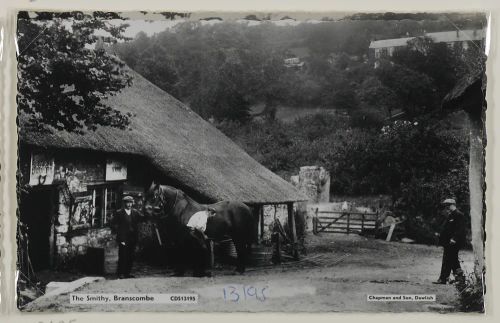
(125, 224)
(452, 238)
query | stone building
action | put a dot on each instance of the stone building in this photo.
(71, 184)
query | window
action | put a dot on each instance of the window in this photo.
(383, 53)
(111, 202)
(94, 208)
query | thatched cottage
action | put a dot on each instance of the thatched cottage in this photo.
(75, 182)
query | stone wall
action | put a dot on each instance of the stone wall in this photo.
(314, 182)
(71, 244)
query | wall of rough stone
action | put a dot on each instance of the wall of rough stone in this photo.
(70, 245)
(314, 182)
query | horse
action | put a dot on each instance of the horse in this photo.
(232, 219)
(186, 248)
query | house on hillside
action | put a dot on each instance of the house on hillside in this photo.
(75, 182)
(463, 38)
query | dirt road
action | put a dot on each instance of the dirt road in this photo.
(336, 275)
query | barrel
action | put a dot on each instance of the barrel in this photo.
(225, 252)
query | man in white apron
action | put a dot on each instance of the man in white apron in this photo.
(199, 220)
(198, 225)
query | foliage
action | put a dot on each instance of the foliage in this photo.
(418, 163)
(414, 90)
(375, 94)
(221, 70)
(444, 65)
(426, 166)
(471, 294)
(61, 81)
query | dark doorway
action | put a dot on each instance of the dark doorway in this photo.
(37, 213)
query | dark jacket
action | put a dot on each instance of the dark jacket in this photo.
(453, 228)
(125, 225)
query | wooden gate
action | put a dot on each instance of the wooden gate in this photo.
(344, 221)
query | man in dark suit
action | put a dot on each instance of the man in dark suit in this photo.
(452, 238)
(125, 224)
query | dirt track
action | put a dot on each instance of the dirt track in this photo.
(336, 275)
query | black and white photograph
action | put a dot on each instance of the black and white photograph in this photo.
(251, 161)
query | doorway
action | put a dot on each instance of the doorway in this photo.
(37, 214)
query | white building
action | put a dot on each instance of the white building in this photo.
(386, 47)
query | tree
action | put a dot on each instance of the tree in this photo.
(435, 60)
(415, 90)
(62, 82)
(378, 96)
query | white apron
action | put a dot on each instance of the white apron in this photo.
(199, 221)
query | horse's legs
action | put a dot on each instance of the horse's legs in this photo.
(242, 251)
(200, 254)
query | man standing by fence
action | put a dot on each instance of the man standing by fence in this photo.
(452, 238)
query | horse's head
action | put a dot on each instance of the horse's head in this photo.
(161, 198)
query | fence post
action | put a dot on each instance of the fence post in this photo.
(212, 254)
(363, 221)
(261, 220)
(315, 222)
(348, 222)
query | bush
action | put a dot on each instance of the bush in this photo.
(470, 294)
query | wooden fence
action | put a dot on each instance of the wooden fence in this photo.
(344, 221)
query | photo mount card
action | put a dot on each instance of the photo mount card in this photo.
(312, 164)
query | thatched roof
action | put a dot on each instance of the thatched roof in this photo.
(468, 94)
(180, 144)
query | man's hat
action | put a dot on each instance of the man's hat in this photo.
(128, 198)
(449, 201)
